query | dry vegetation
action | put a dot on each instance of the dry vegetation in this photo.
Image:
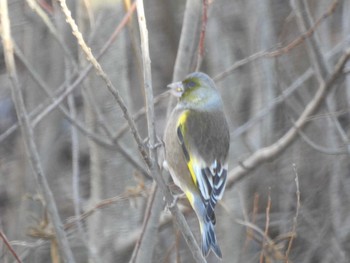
(80, 139)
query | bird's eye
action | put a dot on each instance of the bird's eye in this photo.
(191, 84)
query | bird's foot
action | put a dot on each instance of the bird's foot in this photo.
(157, 144)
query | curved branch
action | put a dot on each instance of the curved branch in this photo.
(268, 153)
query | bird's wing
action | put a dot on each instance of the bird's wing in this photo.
(209, 177)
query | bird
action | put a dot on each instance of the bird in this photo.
(197, 140)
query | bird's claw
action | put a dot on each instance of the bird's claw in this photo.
(157, 144)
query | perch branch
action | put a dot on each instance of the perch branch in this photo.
(155, 170)
(143, 251)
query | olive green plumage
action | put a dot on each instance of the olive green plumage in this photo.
(196, 148)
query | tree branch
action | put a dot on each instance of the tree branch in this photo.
(268, 153)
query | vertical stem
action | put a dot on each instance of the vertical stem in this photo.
(154, 168)
(144, 250)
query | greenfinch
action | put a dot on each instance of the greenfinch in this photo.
(197, 142)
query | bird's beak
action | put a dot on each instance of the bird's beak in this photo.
(176, 88)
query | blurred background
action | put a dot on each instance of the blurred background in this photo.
(268, 58)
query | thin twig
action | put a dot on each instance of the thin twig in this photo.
(28, 137)
(140, 257)
(295, 218)
(249, 231)
(201, 49)
(9, 247)
(267, 223)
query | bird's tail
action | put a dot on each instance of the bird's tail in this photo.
(209, 238)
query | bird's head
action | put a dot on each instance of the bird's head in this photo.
(196, 89)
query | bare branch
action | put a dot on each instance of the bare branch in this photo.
(267, 153)
(267, 225)
(10, 248)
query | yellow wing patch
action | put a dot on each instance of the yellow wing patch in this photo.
(190, 197)
(183, 118)
(181, 124)
(190, 165)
